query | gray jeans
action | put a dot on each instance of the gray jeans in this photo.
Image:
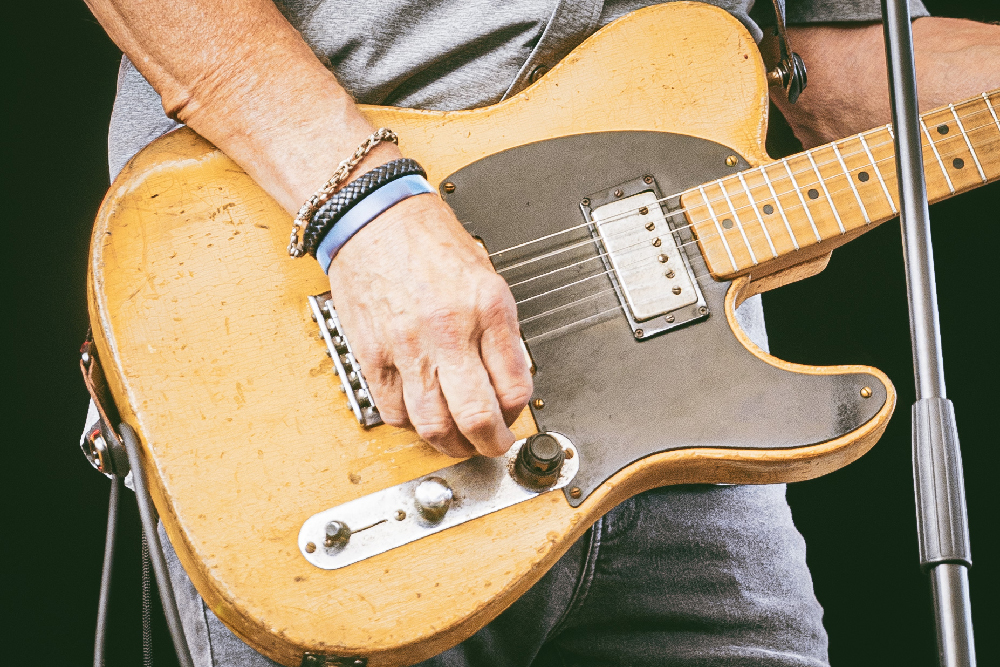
(684, 576)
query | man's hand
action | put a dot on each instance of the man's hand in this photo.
(434, 328)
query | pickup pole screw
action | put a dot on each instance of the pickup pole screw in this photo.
(643, 211)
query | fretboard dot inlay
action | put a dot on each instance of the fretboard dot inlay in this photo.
(958, 163)
(942, 129)
(813, 193)
(727, 223)
(768, 209)
(863, 176)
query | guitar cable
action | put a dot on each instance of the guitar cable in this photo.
(106, 569)
(152, 555)
(159, 562)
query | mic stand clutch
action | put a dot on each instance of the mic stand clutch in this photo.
(942, 523)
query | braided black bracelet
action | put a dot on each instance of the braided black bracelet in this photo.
(346, 197)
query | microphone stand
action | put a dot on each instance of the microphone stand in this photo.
(942, 522)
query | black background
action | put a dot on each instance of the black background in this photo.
(858, 522)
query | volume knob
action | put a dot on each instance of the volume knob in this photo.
(539, 461)
(433, 498)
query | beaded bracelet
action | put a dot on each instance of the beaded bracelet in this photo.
(320, 197)
(348, 196)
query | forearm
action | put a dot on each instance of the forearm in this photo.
(848, 84)
(242, 77)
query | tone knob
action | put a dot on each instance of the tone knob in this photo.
(539, 461)
(433, 499)
(337, 535)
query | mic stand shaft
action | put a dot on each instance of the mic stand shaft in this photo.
(942, 522)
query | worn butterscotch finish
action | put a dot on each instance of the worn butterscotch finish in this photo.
(201, 321)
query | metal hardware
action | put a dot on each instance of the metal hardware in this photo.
(731, 160)
(866, 392)
(478, 486)
(538, 73)
(433, 499)
(337, 535)
(575, 493)
(942, 521)
(785, 67)
(539, 461)
(448, 187)
(538, 404)
(632, 255)
(352, 382)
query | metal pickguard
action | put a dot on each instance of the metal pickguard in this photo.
(617, 398)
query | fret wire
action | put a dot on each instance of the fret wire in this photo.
(781, 210)
(753, 205)
(944, 171)
(989, 105)
(975, 158)
(871, 158)
(802, 200)
(746, 241)
(833, 207)
(850, 180)
(718, 227)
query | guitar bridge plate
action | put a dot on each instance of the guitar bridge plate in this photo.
(352, 382)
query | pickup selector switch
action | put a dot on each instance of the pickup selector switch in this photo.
(539, 461)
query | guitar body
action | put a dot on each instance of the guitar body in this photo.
(201, 323)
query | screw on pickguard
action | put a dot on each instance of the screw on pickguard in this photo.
(352, 381)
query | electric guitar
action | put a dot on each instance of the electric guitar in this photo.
(627, 198)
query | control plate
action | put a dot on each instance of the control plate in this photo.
(390, 518)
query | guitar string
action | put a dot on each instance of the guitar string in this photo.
(718, 182)
(776, 181)
(809, 170)
(752, 233)
(695, 275)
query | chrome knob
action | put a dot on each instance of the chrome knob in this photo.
(337, 535)
(433, 498)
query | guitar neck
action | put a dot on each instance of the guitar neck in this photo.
(811, 202)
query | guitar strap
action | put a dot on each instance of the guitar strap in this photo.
(784, 67)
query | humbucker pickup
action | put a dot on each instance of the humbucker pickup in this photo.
(644, 257)
(352, 382)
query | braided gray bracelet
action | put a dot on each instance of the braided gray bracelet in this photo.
(345, 199)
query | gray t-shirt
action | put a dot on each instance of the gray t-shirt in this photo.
(445, 54)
